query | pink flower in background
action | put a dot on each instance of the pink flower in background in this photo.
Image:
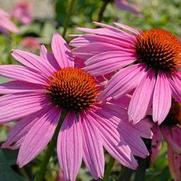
(6, 25)
(44, 86)
(23, 12)
(30, 43)
(127, 6)
(147, 62)
(171, 132)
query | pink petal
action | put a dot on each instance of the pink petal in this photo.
(38, 136)
(116, 30)
(32, 61)
(92, 38)
(105, 32)
(93, 153)
(172, 136)
(124, 81)
(19, 105)
(61, 51)
(22, 127)
(69, 147)
(19, 87)
(127, 28)
(6, 24)
(49, 58)
(124, 127)
(108, 62)
(141, 98)
(161, 98)
(156, 143)
(21, 73)
(113, 142)
(144, 128)
(98, 47)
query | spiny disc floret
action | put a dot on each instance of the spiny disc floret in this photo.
(159, 50)
(72, 89)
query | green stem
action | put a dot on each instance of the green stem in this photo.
(49, 151)
(102, 10)
(108, 169)
(68, 15)
(125, 174)
(141, 171)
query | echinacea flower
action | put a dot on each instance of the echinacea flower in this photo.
(6, 25)
(43, 87)
(127, 6)
(170, 131)
(147, 62)
(23, 12)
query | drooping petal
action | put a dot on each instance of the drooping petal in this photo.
(38, 136)
(113, 113)
(175, 83)
(17, 106)
(108, 62)
(113, 142)
(61, 51)
(69, 147)
(18, 72)
(161, 99)
(19, 87)
(141, 98)
(32, 61)
(172, 136)
(22, 127)
(156, 143)
(93, 154)
(124, 81)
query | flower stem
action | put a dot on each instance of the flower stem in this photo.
(68, 15)
(49, 151)
(125, 174)
(102, 10)
(141, 171)
(108, 169)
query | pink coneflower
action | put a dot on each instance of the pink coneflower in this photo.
(171, 132)
(44, 86)
(147, 61)
(6, 25)
(23, 12)
(127, 6)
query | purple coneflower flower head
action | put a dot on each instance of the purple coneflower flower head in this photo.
(147, 62)
(127, 6)
(6, 25)
(23, 12)
(171, 132)
(44, 86)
